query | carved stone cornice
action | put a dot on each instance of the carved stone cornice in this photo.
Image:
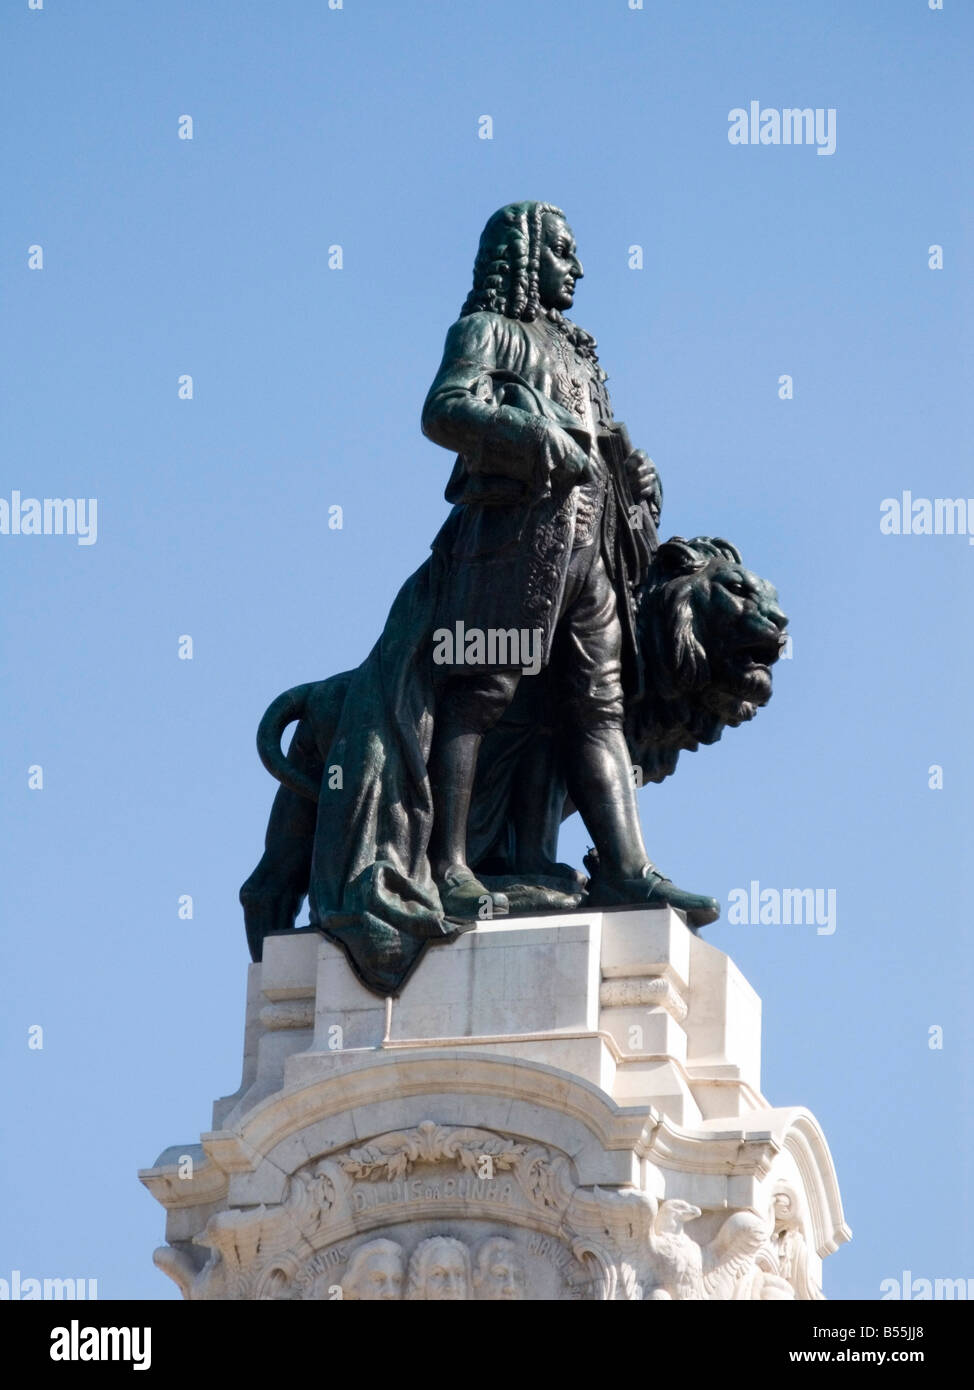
(654, 991)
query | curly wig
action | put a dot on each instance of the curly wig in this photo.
(506, 273)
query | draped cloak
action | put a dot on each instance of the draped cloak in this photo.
(508, 396)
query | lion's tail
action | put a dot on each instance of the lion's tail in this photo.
(279, 714)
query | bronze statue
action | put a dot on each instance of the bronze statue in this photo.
(547, 653)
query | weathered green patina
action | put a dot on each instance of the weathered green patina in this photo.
(547, 648)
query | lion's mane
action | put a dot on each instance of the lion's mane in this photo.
(710, 631)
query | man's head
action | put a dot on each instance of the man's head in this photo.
(375, 1273)
(559, 266)
(526, 263)
(497, 1271)
(439, 1271)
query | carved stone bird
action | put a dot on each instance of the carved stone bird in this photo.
(676, 1259)
(660, 1261)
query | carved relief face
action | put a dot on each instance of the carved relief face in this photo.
(500, 1280)
(446, 1277)
(498, 1273)
(381, 1278)
(559, 267)
(376, 1273)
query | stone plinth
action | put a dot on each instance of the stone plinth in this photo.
(553, 1109)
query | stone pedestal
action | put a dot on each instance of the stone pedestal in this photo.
(555, 1108)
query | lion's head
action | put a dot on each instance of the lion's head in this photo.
(710, 631)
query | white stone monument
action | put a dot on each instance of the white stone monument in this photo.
(556, 1107)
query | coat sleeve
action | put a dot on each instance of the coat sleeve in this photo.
(462, 414)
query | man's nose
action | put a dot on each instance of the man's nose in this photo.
(577, 270)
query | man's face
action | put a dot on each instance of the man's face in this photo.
(782, 1206)
(381, 1278)
(446, 1277)
(500, 1280)
(559, 265)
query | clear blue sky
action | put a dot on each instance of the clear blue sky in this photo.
(161, 257)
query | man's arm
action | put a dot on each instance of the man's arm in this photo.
(460, 413)
(645, 482)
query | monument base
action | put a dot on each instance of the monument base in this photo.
(555, 1108)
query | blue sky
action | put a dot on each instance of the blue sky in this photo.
(359, 127)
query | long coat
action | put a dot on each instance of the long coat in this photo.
(511, 398)
(494, 401)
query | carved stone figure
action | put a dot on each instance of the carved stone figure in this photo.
(661, 1261)
(676, 1259)
(439, 1271)
(548, 646)
(788, 1242)
(375, 1273)
(344, 1222)
(730, 1260)
(498, 1273)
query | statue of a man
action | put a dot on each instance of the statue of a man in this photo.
(552, 533)
(424, 790)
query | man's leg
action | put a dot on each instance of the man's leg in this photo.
(587, 657)
(467, 706)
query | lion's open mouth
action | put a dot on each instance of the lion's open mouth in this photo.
(759, 654)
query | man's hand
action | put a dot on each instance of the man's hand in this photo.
(574, 466)
(644, 481)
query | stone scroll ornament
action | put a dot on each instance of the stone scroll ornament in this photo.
(547, 657)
